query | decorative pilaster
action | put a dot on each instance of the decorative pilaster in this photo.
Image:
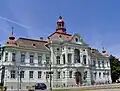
(66, 54)
(88, 77)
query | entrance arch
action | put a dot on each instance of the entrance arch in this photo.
(78, 77)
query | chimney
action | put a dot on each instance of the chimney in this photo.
(41, 38)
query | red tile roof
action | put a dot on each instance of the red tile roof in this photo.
(31, 43)
(58, 34)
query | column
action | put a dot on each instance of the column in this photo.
(66, 77)
(80, 55)
(66, 54)
(18, 57)
(53, 63)
(10, 54)
(72, 57)
(27, 58)
(88, 77)
(52, 55)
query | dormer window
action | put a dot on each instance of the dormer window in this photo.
(58, 49)
(69, 48)
(33, 45)
(76, 39)
(83, 49)
(60, 36)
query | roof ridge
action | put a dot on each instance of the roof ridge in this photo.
(33, 39)
(59, 33)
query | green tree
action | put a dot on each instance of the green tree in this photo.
(115, 68)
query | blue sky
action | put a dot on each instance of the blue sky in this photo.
(97, 21)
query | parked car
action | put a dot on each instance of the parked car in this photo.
(118, 80)
(40, 86)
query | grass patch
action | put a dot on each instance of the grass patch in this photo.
(86, 89)
(70, 90)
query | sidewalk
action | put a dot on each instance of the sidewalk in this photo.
(91, 86)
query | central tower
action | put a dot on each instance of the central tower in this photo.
(61, 25)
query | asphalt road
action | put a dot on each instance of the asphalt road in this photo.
(106, 90)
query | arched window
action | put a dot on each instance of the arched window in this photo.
(84, 59)
(76, 39)
(77, 56)
(58, 59)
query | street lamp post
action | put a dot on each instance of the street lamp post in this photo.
(50, 77)
(18, 77)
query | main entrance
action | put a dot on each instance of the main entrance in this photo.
(78, 78)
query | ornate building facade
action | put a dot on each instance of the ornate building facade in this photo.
(72, 61)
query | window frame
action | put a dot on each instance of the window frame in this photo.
(13, 57)
(85, 59)
(39, 59)
(58, 74)
(22, 58)
(31, 73)
(12, 74)
(70, 74)
(57, 59)
(69, 58)
(22, 73)
(31, 59)
(47, 60)
(99, 64)
(39, 74)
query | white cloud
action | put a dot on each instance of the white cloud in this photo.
(9, 20)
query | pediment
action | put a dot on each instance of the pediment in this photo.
(76, 38)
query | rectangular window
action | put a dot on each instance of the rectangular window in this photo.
(58, 59)
(104, 75)
(70, 74)
(13, 74)
(22, 58)
(63, 58)
(63, 74)
(47, 75)
(84, 59)
(21, 74)
(39, 59)
(30, 74)
(103, 64)
(0, 57)
(98, 63)
(39, 74)
(6, 56)
(94, 63)
(69, 58)
(107, 64)
(47, 60)
(58, 75)
(31, 59)
(95, 74)
(13, 57)
(99, 74)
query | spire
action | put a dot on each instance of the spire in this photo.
(12, 30)
(60, 17)
(12, 37)
(60, 25)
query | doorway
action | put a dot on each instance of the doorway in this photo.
(78, 78)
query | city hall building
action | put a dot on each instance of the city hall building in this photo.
(63, 59)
